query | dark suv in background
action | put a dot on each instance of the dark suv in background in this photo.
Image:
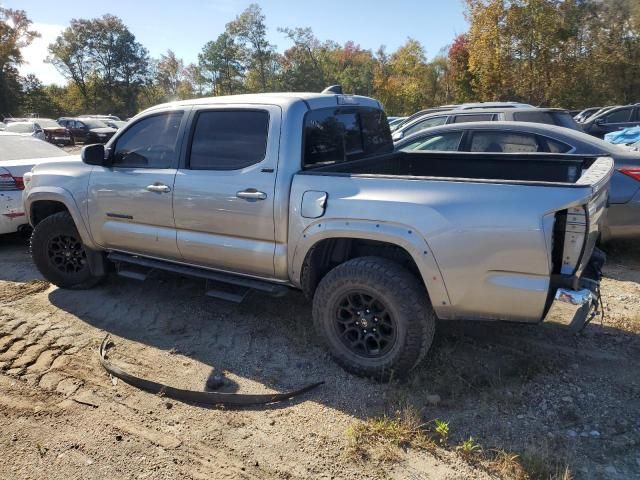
(612, 119)
(88, 130)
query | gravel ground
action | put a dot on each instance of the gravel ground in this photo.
(556, 400)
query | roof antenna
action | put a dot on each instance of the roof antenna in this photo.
(333, 89)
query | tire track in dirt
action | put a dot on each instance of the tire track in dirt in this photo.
(11, 292)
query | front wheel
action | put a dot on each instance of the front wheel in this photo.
(375, 317)
(59, 255)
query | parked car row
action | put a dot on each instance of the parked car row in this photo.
(551, 116)
(65, 130)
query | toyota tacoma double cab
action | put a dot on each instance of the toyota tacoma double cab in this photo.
(275, 191)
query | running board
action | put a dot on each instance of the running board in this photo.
(219, 285)
(226, 291)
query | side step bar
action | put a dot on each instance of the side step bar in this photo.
(221, 285)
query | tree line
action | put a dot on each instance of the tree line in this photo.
(565, 53)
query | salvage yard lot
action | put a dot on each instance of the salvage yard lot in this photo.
(555, 400)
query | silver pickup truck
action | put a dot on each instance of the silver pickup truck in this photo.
(273, 191)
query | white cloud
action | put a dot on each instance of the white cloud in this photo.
(35, 54)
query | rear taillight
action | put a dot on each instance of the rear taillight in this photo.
(8, 182)
(631, 172)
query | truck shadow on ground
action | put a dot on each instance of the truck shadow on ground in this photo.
(506, 385)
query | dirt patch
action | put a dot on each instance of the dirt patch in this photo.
(535, 401)
(11, 291)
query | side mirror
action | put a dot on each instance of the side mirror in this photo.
(600, 121)
(95, 155)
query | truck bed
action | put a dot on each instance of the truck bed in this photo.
(521, 167)
(497, 227)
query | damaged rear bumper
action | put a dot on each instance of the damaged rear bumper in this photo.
(577, 300)
(573, 308)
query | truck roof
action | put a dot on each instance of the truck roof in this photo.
(282, 99)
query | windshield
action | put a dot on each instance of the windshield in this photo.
(20, 127)
(48, 123)
(93, 123)
(15, 147)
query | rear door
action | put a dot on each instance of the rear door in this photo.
(224, 191)
(130, 204)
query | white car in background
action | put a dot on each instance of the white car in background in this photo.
(26, 129)
(18, 155)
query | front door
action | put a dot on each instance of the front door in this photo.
(130, 204)
(617, 120)
(79, 135)
(224, 194)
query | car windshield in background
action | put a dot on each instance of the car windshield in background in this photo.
(48, 123)
(445, 142)
(93, 123)
(16, 127)
(337, 135)
(15, 147)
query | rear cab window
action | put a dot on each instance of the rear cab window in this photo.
(336, 135)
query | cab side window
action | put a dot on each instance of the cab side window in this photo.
(149, 143)
(229, 140)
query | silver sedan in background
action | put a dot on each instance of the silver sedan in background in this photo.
(623, 219)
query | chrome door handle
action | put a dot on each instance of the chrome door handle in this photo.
(159, 188)
(251, 194)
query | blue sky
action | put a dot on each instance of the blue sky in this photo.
(186, 25)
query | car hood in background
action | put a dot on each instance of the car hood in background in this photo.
(107, 130)
(18, 168)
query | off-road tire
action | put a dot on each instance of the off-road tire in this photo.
(48, 229)
(404, 297)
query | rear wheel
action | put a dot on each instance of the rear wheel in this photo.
(59, 255)
(374, 316)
